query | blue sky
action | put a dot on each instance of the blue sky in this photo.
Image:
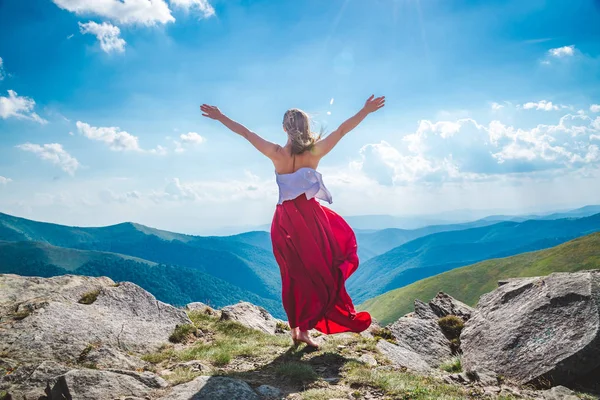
(491, 105)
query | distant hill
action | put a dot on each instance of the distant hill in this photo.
(440, 252)
(172, 284)
(249, 267)
(469, 283)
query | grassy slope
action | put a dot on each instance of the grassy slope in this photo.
(441, 252)
(469, 283)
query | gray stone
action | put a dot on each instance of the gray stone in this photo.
(443, 305)
(249, 315)
(123, 317)
(147, 378)
(368, 359)
(403, 357)
(194, 365)
(212, 388)
(536, 329)
(267, 392)
(424, 337)
(424, 311)
(105, 357)
(559, 393)
(100, 385)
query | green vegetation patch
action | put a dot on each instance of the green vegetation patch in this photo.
(296, 372)
(400, 385)
(89, 297)
(183, 333)
(452, 366)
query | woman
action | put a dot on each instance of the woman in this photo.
(314, 247)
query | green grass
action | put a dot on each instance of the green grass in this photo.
(452, 366)
(400, 385)
(182, 333)
(469, 283)
(182, 375)
(323, 394)
(296, 372)
(89, 297)
(452, 326)
(228, 340)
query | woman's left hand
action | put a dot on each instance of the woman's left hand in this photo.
(211, 112)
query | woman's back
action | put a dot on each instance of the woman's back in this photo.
(289, 163)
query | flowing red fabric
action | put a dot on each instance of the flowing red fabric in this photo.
(316, 252)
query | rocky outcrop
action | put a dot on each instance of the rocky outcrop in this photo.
(424, 337)
(52, 329)
(537, 330)
(440, 306)
(252, 316)
(212, 388)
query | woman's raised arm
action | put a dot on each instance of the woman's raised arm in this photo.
(324, 146)
(269, 149)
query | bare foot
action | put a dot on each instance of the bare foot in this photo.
(295, 334)
(304, 336)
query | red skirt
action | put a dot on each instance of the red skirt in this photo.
(316, 252)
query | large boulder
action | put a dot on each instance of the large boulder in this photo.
(536, 330)
(81, 333)
(44, 319)
(423, 337)
(212, 388)
(252, 316)
(403, 357)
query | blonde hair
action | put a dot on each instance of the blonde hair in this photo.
(297, 125)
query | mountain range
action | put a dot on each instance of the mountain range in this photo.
(469, 283)
(221, 270)
(439, 252)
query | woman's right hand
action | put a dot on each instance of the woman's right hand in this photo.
(373, 104)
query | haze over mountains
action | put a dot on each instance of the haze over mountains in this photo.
(221, 270)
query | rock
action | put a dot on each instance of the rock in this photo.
(483, 378)
(559, 393)
(212, 388)
(267, 392)
(194, 365)
(537, 329)
(403, 357)
(95, 384)
(147, 378)
(105, 357)
(443, 305)
(424, 337)
(424, 311)
(368, 359)
(123, 317)
(249, 315)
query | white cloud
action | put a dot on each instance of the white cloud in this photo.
(595, 108)
(107, 35)
(2, 72)
(463, 150)
(55, 154)
(251, 188)
(108, 196)
(4, 181)
(147, 12)
(114, 137)
(187, 140)
(191, 138)
(201, 5)
(19, 107)
(159, 150)
(497, 106)
(542, 105)
(565, 51)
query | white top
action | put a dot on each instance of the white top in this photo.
(304, 181)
